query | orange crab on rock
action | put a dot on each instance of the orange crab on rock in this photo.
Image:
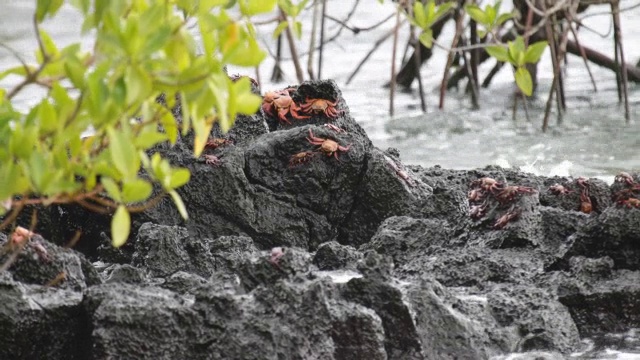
(327, 146)
(215, 143)
(510, 193)
(281, 103)
(318, 106)
(300, 158)
(630, 203)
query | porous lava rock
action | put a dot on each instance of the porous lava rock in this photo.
(345, 255)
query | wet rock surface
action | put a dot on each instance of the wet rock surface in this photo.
(294, 252)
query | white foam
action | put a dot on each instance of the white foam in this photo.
(339, 277)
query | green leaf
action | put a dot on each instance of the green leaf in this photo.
(254, 7)
(297, 29)
(179, 177)
(299, 7)
(419, 15)
(280, 28)
(18, 70)
(10, 181)
(48, 116)
(249, 56)
(179, 204)
(430, 11)
(49, 46)
(286, 6)
(75, 71)
(534, 52)
(443, 9)
(22, 141)
(246, 102)
(47, 7)
(500, 53)
(490, 13)
(523, 80)
(502, 18)
(149, 139)
(136, 191)
(120, 226)
(112, 188)
(138, 84)
(37, 171)
(169, 126)
(82, 5)
(157, 40)
(516, 48)
(426, 38)
(123, 153)
(477, 14)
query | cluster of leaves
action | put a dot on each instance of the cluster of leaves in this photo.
(516, 53)
(143, 48)
(291, 10)
(425, 15)
(519, 55)
(490, 18)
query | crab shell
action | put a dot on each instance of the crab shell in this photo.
(320, 106)
(558, 189)
(283, 104)
(216, 142)
(506, 218)
(509, 193)
(327, 146)
(300, 158)
(631, 202)
(625, 177)
(212, 160)
(488, 184)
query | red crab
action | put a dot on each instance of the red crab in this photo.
(625, 177)
(630, 202)
(282, 103)
(476, 195)
(212, 160)
(557, 189)
(488, 184)
(22, 237)
(327, 146)
(318, 106)
(334, 128)
(276, 254)
(402, 174)
(585, 200)
(509, 193)
(300, 158)
(215, 143)
(509, 216)
(477, 211)
(625, 194)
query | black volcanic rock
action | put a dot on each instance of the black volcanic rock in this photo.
(359, 257)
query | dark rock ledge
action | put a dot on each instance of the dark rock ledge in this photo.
(361, 258)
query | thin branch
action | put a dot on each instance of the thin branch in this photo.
(357, 29)
(292, 48)
(454, 43)
(392, 89)
(312, 40)
(322, 26)
(377, 44)
(582, 52)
